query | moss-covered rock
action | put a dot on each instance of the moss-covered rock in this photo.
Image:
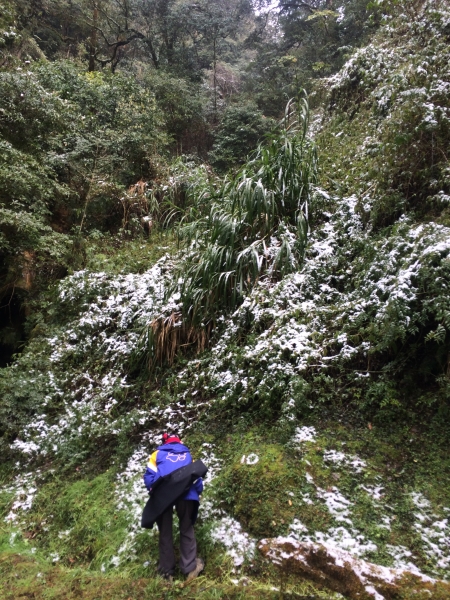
(255, 488)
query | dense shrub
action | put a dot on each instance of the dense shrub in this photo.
(398, 94)
(240, 130)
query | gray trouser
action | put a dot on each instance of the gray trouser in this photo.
(188, 545)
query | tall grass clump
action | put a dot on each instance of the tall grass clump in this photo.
(255, 226)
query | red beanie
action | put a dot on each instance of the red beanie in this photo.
(167, 438)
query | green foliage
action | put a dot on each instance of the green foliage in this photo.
(21, 230)
(396, 93)
(271, 78)
(268, 197)
(24, 574)
(316, 42)
(16, 45)
(174, 36)
(122, 255)
(70, 144)
(85, 527)
(82, 122)
(411, 8)
(178, 195)
(21, 396)
(116, 127)
(240, 130)
(181, 104)
(256, 225)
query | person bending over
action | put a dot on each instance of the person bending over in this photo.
(168, 457)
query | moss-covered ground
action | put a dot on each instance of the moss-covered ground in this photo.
(62, 544)
(27, 575)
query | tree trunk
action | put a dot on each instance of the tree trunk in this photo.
(93, 40)
(215, 75)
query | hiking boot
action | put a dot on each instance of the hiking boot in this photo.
(199, 566)
(167, 577)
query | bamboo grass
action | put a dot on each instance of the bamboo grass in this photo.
(228, 247)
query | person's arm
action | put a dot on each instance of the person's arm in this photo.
(151, 472)
(198, 485)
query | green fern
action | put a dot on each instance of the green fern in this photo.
(446, 319)
(438, 335)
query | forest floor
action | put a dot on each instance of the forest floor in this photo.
(376, 492)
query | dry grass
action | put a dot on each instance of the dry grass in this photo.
(167, 335)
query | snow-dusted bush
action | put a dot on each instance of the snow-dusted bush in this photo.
(362, 311)
(395, 90)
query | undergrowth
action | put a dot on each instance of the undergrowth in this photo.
(321, 406)
(254, 226)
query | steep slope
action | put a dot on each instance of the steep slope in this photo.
(321, 407)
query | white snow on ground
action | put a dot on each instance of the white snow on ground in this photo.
(347, 538)
(109, 323)
(131, 496)
(376, 492)
(304, 434)
(238, 544)
(225, 530)
(339, 458)
(365, 571)
(337, 504)
(402, 558)
(24, 489)
(213, 463)
(433, 531)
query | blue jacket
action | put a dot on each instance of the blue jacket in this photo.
(168, 458)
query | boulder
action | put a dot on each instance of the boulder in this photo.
(353, 577)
